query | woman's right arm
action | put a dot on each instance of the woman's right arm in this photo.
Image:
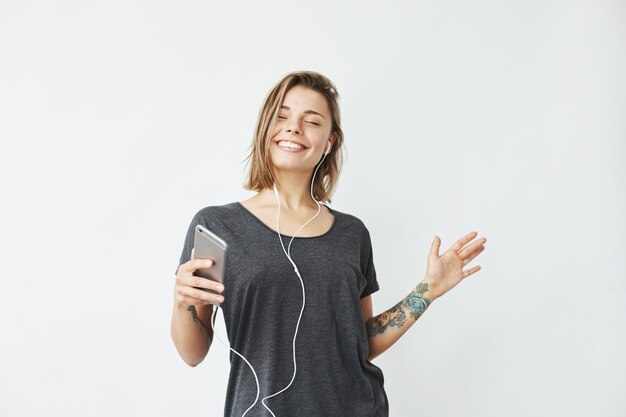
(191, 316)
(189, 333)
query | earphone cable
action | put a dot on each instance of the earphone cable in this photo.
(287, 252)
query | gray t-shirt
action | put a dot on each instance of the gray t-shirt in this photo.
(263, 299)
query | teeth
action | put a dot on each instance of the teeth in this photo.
(290, 145)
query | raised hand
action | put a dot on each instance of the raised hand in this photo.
(446, 271)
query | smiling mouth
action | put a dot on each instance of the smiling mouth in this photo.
(292, 148)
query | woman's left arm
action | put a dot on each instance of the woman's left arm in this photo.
(444, 272)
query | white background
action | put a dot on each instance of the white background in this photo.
(119, 120)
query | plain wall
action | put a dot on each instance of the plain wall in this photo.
(121, 119)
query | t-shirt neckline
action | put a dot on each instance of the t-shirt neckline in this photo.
(334, 213)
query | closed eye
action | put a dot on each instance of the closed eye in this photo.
(307, 121)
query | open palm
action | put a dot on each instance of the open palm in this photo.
(446, 271)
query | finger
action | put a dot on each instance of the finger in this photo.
(458, 246)
(472, 255)
(200, 295)
(462, 241)
(193, 264)
(468, 250)
(434, 247)
(201, 282)
(192, 252)
(471, 271)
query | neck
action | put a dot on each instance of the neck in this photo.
(294, 192)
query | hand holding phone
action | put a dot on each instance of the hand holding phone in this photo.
(197, 283)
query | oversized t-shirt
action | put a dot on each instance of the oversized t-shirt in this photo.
(262, 303)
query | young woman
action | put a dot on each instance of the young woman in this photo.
(301, 315)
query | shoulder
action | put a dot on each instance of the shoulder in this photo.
(214, 213)
(352, 222)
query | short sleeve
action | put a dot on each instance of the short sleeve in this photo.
(367, 262)
(185, 256)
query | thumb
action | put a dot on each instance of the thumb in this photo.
(434, 247)
(192, 253)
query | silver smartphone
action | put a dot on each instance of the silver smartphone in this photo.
(207, 245)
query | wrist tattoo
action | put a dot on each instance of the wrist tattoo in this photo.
(396, 316)
(416, 302)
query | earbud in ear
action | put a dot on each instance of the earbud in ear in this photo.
(327, 148)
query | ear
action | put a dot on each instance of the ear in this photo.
(332, 138)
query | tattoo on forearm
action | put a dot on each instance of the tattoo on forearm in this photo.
(194, 313)
(396, 316)
(416, 302)
(196, 319)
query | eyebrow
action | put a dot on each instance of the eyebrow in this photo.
(306, 112)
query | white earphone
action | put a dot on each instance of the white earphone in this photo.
(295, 268)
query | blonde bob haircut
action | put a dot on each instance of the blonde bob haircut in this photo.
(260, 175)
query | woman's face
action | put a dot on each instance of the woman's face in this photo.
(305, 119)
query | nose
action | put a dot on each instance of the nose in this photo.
(293, 127)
